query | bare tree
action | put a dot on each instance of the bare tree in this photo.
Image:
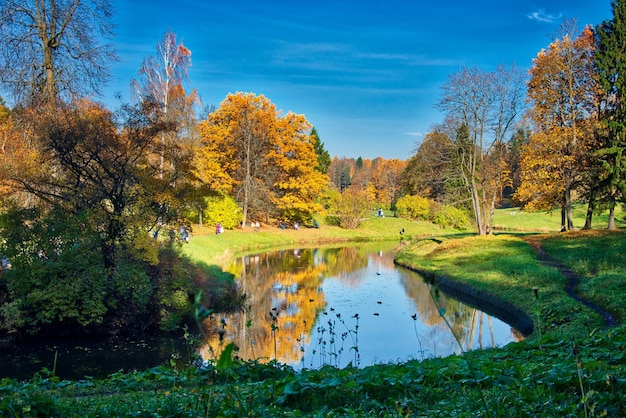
(51, 49)
(486, 106)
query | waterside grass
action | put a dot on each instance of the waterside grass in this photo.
(209, 248)
(574, 367)
(506, 266)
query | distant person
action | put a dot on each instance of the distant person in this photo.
(6, 264)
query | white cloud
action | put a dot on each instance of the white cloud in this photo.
(541, 16)
(409, 59)
(415, 134)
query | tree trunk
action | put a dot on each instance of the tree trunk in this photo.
(49, 82)
(480, 225)
(591, 206)
(611, 226)
(568, 208)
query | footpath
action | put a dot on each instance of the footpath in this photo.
(573, 280)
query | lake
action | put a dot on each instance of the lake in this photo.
(311, 307)
(306, 307)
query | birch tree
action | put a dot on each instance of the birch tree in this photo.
(161, 80)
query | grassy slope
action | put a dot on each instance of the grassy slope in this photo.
(577, 369)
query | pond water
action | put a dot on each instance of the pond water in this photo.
(311, 307)
(306, 307)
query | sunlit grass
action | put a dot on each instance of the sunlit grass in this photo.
(506, 266)
(209, 248)
(514, 219)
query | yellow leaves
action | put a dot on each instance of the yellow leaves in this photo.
(248, 145)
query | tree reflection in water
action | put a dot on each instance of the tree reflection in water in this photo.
(302, 306)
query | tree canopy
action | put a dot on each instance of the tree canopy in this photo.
(53, 50)
(265, 160)
(564, 95)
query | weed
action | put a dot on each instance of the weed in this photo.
(274, 328)
(419, 341)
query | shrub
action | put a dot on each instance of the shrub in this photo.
(451, 217)
(413, 207)
(350, 208)
(223, 209)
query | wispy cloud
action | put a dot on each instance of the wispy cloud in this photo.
(544, 17)
(409, 59)
(414, 134)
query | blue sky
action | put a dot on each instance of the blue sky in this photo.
(366, 74)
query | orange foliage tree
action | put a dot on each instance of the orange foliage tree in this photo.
(563, 93)
(265, 160)
(386, 181)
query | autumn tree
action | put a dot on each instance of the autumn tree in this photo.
(162, 79)
(361, 171)
(52, 50)
(429, 171)
(350, 208)
(298, 182)
(264, 159)
(488, 105)
(610, 58)
(563, 94)
(81, 246)
(386, 181)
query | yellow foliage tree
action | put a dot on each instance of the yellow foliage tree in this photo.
(298, 182)
(266, 161)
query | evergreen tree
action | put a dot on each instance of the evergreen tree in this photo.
(610, 59)
(323, 157)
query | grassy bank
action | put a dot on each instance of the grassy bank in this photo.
(571, 366)
(211, 249)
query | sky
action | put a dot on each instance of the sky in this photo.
(367, 74)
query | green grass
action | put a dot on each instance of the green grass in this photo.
(573, 367)
(209, 248)
(506, 266)
(514, 219)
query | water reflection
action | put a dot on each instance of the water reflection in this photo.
(311, 307)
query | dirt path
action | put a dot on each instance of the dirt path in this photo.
(572, 280)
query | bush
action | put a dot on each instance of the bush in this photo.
(350, 208)
(223, 209)
(451, 217)
(414, 207)
(59, 283)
